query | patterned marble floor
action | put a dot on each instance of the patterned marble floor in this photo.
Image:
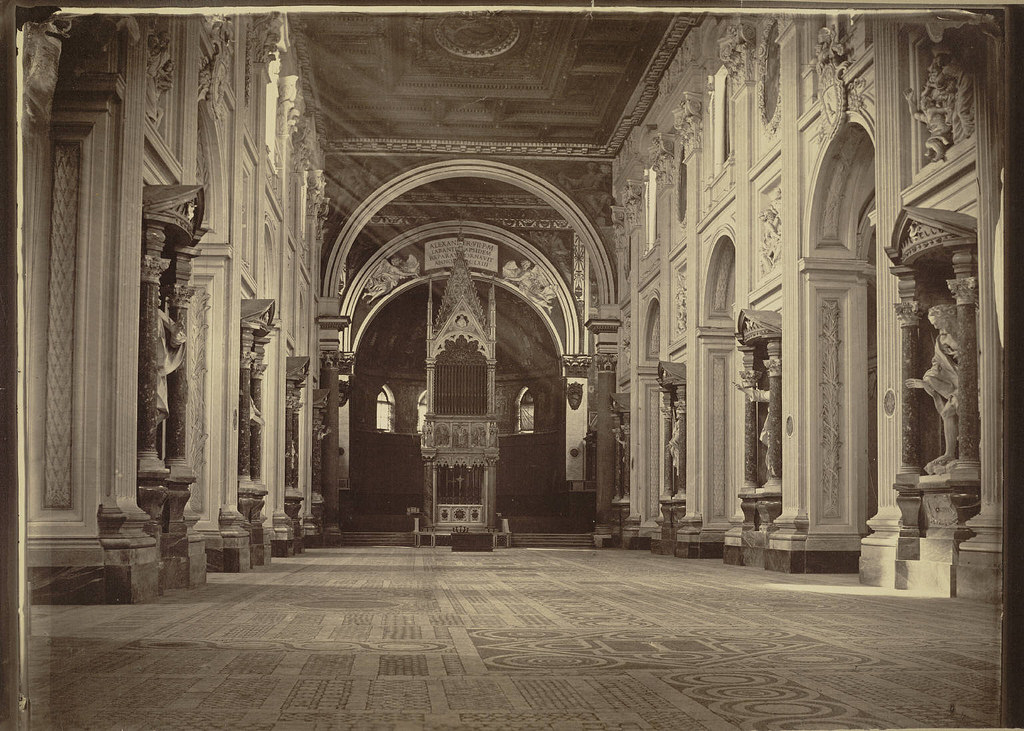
(402, 638)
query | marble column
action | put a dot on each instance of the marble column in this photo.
(770, 495)
(152, 473)
(668, 484)
(246, 500)
(292, 494)
(748, 378)
(329, 463)
(314, 522)
(908, 495)
(606, 465)
(174, 543)
(259, 551)
(427, 516)
(965, 289)
(679, 476)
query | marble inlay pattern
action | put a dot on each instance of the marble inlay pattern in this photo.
(399, 638)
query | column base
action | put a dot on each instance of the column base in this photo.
(732, 546)
(94, 571)
(228, 553)
(174, 559)
(877, 565)
(282, 547)
(196, 560)
(331, 537)
(703, 544)
(754, 548)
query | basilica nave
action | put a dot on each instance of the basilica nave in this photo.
(511, 369)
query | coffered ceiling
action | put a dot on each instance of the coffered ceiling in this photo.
(498, 82)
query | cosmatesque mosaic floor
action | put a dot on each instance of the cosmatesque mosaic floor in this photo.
(403, 638)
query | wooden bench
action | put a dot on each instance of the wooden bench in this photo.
(472, 542)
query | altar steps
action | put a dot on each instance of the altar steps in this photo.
(376, 538)
(552, 540)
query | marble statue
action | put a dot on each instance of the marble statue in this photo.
(941, 381)
(169, 359)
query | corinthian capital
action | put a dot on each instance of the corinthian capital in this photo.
(736, 49)
(687, 119)
(965, 289)
(908, 312)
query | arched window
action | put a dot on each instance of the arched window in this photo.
(385, 410)
(421, 411)
(524, 418)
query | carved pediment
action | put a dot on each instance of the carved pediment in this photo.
(671, 374)
(320, 398)
(258, 314)
(178, 208)
(930, 233)
(297, 367)
(620, 401)
(755, 326)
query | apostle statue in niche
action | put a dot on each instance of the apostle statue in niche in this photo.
(169, 358)
(941, 381)
(531, 282)
(389, 273)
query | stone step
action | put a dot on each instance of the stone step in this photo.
(552, 540)
(370, 538)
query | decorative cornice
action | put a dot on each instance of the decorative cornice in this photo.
(484, 147)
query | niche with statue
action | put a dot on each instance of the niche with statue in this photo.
(934, 255)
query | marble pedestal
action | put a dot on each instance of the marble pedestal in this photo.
(228, 551)
(703, 543)
(93, 571)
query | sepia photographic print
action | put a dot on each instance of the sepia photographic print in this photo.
(508, 367)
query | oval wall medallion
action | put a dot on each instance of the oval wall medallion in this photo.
(889, 402)
(476, 36)
(789, 426)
